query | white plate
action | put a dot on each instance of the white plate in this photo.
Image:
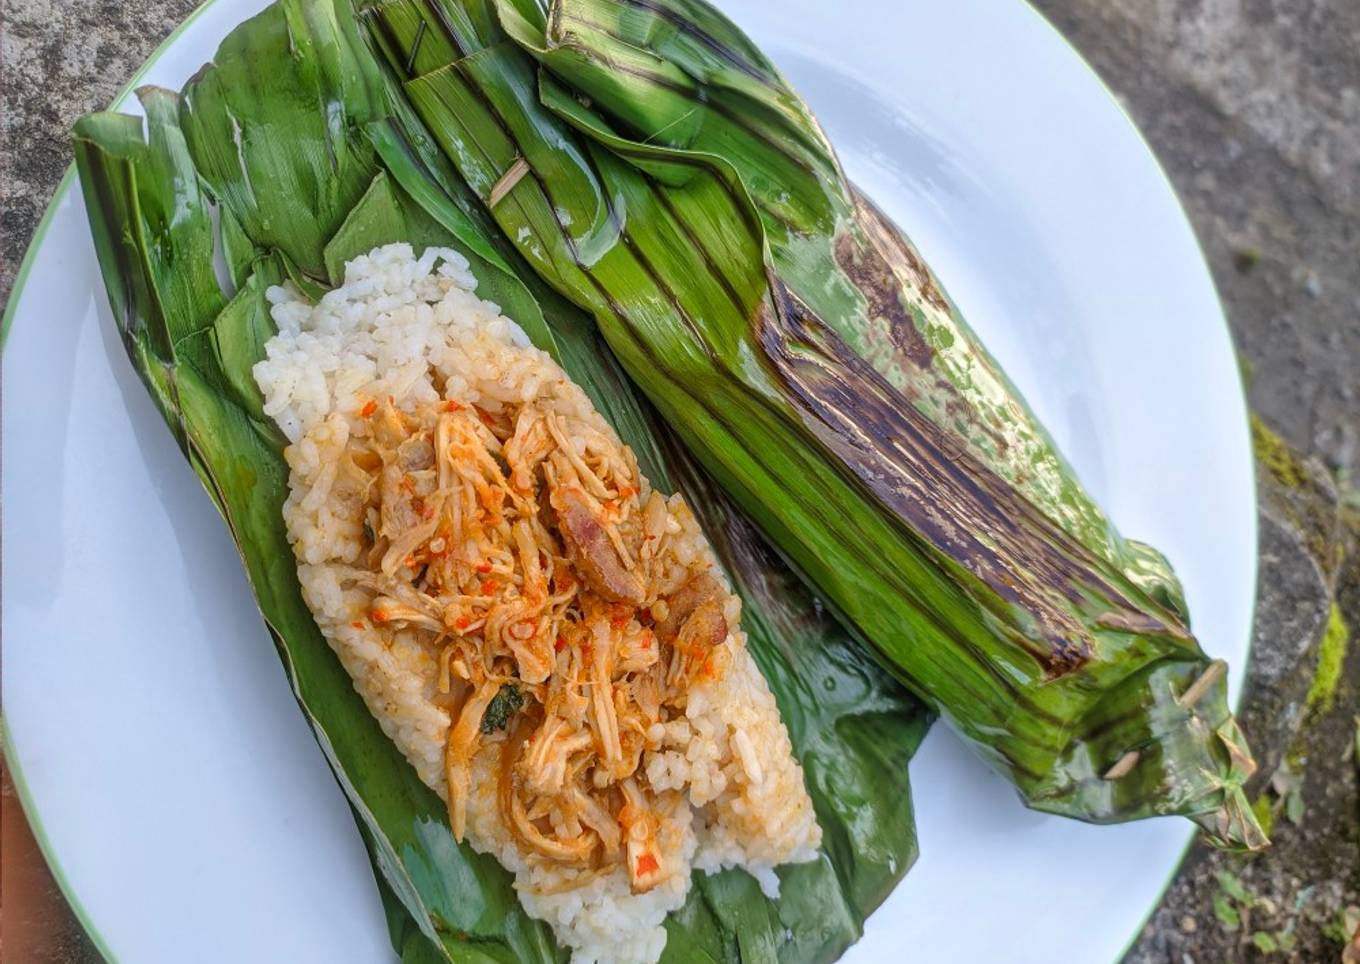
(177, 790)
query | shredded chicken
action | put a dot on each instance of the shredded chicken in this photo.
(522, 545)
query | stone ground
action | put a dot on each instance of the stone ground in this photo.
(1253, 106)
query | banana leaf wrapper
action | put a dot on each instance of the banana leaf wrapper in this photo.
(654, 167)
(285, 157)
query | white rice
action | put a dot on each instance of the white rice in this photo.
(402, 327)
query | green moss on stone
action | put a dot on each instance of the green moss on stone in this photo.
(1275, 455)
(1331, 657)
(1264, 809)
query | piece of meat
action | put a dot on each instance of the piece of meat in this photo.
(545, 766)
(682, 604)
(388, 610)
(463, 739)
(591, 551)
(572, 850)
(603, 713)
(597, 818)
(637, 651)
(705, 628)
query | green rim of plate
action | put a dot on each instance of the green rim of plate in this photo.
(64, 186)
(26, 804)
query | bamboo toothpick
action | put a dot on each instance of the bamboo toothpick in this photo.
(1199, 687)
(1123, 765)
(507, 181)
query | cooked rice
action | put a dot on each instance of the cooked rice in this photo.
(404, 348)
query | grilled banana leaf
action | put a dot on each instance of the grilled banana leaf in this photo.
(292, 140)
(654, 168)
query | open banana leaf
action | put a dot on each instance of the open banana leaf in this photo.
(284, 158)
(655, 168)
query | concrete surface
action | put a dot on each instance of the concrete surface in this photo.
(1253, 106)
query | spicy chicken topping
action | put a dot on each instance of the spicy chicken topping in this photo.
(529, 554)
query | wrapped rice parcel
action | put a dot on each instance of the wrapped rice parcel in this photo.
(654, 167)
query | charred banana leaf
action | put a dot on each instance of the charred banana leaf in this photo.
(653, 166)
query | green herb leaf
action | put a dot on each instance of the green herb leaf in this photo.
(506, 703)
